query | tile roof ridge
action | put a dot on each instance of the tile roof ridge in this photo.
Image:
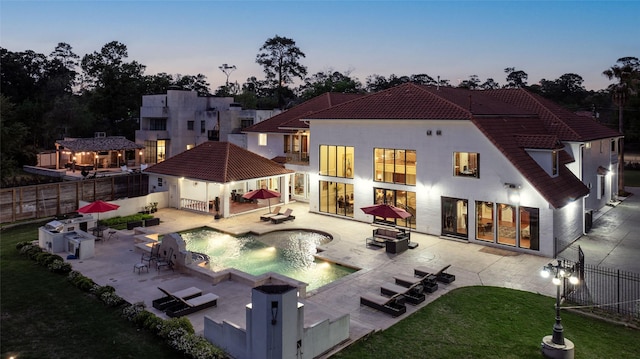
(225, 171)
(427, 89)
(546, 109)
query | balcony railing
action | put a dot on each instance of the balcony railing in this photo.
(297, 157)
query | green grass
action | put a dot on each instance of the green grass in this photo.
(45, 316)
(490, 322)
(632, 178)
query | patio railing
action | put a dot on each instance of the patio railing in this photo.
(194, 204)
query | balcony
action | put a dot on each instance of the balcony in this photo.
(154, 111)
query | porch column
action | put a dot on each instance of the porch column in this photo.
(225, 198)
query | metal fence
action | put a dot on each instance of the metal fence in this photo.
(54, 199)
(612, 290)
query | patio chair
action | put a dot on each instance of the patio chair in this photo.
(152, 256)
(166, 261)
(286, 216)
(393, 306)
(192, 305)
(268, 216)
(170, 298)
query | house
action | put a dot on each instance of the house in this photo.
(284, 138)
(174, 122)
(505, 168)
(100, 151)
(212, 173)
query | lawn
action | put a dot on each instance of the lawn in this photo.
(632, 178)
(491, 322)
(44, 316)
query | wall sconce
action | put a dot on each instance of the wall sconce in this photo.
(439, 132)
(274, 313)
(428, 132)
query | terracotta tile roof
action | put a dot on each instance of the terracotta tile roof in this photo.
(567, 125)
(219, 162)
(289, 121)
(97, 144)
(549, 142)
(410, 101)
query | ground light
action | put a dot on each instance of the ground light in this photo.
(556, 346)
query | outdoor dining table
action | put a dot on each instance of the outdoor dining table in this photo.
(98, 231)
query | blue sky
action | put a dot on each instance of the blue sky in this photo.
(450, 39)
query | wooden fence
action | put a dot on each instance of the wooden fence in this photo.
(54, 199)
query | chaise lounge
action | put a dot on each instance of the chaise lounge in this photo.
(428, 282)
(268, 216)
(413, 294)
(441, 275)
(286, 216)
(192, 305)
(393, 306)
(170, 299)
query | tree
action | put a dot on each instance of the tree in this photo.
(515, 79)
(280, 58)
(627, 73)
(566, 90)
(114, 89)
(490, 84)
(329, 81)
(472, 83)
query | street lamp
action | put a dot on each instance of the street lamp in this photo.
(556, 346)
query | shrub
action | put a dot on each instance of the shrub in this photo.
(42, 258)
(59, 266)
(195, 346)
(174, 327)
(111, 299)
(131, 312)
(153, 323)
(19, 245)
(82, 282)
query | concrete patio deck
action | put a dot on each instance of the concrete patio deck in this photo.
(472, 264)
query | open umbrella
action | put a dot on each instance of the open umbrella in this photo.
(262, 193)
(98, 206)
(386, 211)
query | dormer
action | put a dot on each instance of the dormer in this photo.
(544, 149)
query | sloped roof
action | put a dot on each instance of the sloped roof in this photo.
(512, 119)
(97, 144)
(219, 162)
(289, 121)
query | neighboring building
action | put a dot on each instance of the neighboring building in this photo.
(505, 168)
(174, 122)
(284, 138)
(96, 152)
(211, 172)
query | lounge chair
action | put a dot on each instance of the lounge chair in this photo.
(152, 256)
(428, 282)
(286, 216)
(413, 295)
(192, 305)
(166, 261)
(391, 305)
(441, 275)
(170, 299)
(268, 216)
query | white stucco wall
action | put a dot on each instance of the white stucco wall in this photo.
(434, 169)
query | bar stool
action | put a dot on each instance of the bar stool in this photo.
(112, 234)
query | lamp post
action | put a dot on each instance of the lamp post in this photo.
(556, 346)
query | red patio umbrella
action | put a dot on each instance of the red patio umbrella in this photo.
(386, 211)
(262, 193)
(98, 206)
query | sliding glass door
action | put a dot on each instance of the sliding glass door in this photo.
(454, 217)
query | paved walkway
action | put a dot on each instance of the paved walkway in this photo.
(614, 242)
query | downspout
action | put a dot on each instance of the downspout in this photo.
(584, 198)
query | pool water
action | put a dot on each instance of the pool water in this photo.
(290, 253)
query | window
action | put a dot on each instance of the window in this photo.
(613, 146)
(336, 161)
(454, 217)
(395, 166)
(466, 164)
(336, 198)
(506, 224)
(161, 148)
(190, 125)
(246, 122)
(554, 162)
(398, 198)
(529, 228)
(485, 223)
(202, 126)
(159, 181)
(262, 139)
(158, 124)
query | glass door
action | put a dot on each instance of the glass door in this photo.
(454, 217)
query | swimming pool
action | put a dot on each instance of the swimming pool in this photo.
(290, 253)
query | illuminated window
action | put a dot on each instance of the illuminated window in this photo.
(554, 162)
(466, 164)
(336, 161)
(394, 165)
(262, 139)
(336, 198)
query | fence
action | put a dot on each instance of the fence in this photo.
(54, 199)
(612, 290)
